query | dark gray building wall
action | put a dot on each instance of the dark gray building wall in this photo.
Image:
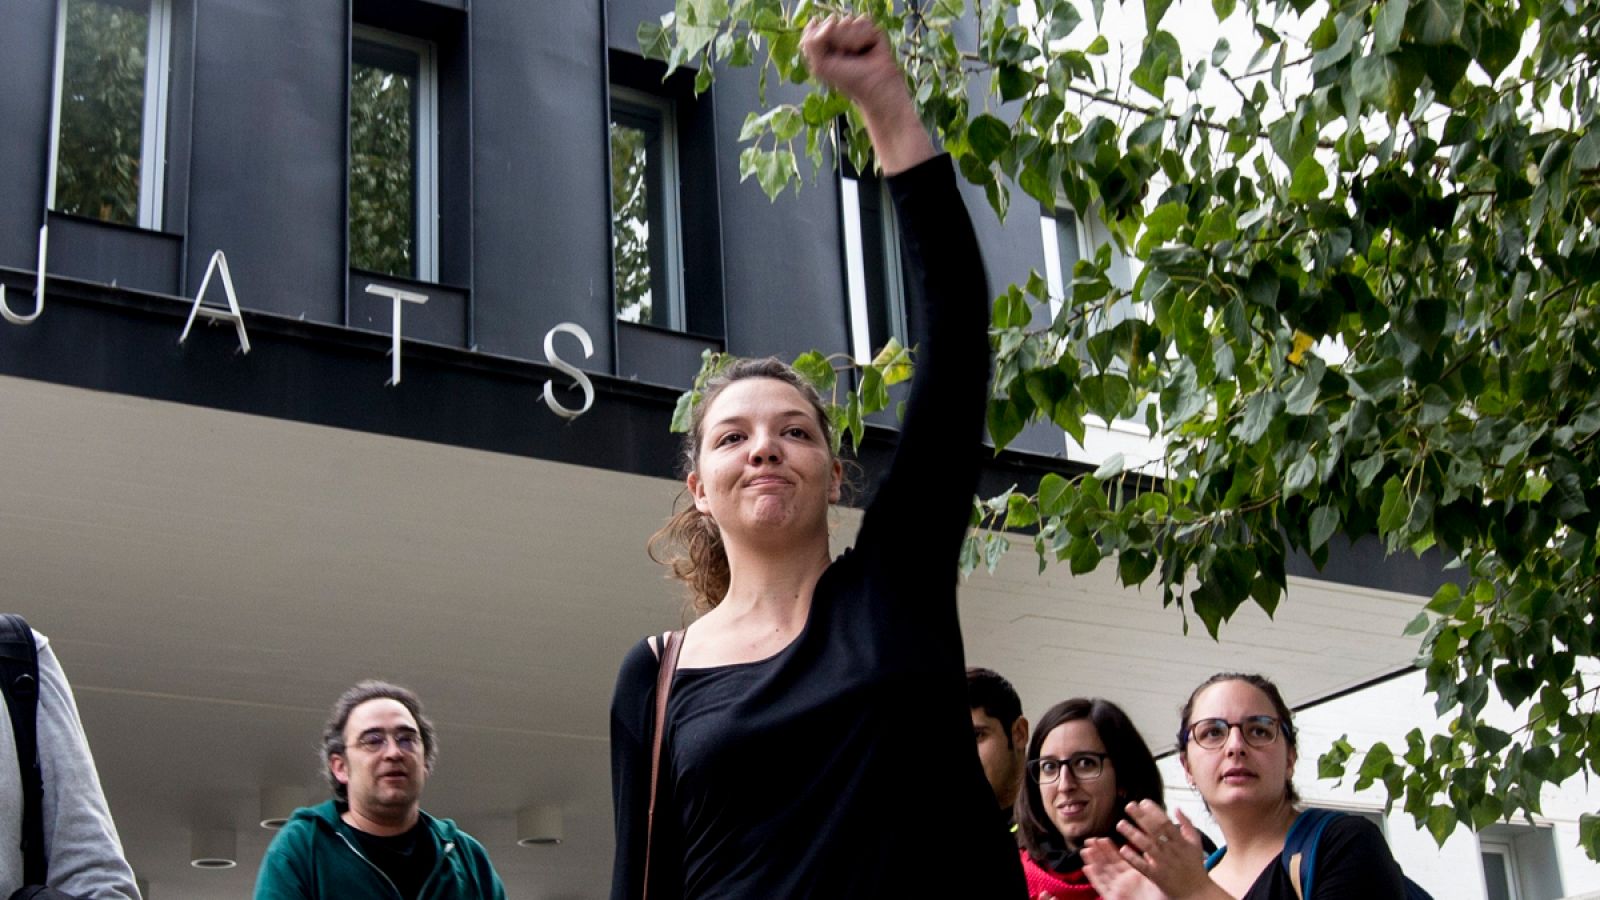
(27, 39)
(784, 260)
(268, 174)
(542, 216)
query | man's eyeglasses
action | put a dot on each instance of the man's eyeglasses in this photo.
(1257, 731)
(405, 740)
(1085, 766)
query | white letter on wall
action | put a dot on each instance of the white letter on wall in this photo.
(399, 297)
(568, 369)
(231, 314)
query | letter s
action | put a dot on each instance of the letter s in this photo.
(568, 369)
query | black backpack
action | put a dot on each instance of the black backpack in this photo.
(19, 680)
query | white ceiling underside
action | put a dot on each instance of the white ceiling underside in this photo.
(212, 581)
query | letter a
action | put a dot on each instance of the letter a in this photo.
(231, 314)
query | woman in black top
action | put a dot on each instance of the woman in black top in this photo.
(818, 741)
(1237, 746)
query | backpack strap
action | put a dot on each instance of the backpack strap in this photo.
(1300, 848)
(1215, 857)
(669, 665)
(19, 679)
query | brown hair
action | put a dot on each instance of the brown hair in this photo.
(1265, 686)
(690, 544)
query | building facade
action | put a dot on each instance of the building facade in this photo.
(341, 340)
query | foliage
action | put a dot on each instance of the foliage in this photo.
(382, 171)
(102, 112)
(847, 408)
(630, 222)
(1368, 263)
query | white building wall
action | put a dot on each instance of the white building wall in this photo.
(1552, 865)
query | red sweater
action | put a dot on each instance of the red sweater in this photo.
(1071, 886)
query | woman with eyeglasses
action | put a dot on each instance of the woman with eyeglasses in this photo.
(1237, 744)
(1086, 762)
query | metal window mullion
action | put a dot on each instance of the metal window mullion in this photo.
(894, 288)
(672, 241)
(855, 269)
(55, 107)
(153, 144)
(426, 136)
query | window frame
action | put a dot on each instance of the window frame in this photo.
(661, 112)
(1507, 852)
(1058, 278)
(424, 151)
(888, 265)
(153, 119)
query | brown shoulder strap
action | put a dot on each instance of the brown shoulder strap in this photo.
(669, 665)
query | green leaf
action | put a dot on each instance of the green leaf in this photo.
(1099, 46)
(815, 368)
(1154, 11)
(994, 549)
(1054, 494)
(683, 412)
(989, 137)
(1418, 624)
(1106, 395)
(1390, 22)
(971, 555)
(1259, 413)
(1441, 823)
(1300, 475)
(1309, 181)
(1015, 82)
(1437, 22)
(1324, 519)
(1020, 512)
(1134, 566)
(1083, 555)
(1110, 468)
(1395, 507)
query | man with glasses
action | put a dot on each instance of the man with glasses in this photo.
(373, 839)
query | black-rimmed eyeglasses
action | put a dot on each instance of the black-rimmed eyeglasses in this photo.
(1085, 766)
(1257, 731)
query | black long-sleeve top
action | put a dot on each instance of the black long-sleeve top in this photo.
(844, 765)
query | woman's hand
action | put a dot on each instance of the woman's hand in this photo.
(1166, 853)
(1112, 876)
(851, 55)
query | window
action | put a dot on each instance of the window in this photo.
(394, 190)
(112, 58)
(1519, 863)
(874, 272)
(1499, 868)
(1063, 247)
(646, 229)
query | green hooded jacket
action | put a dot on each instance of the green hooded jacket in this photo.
(311, 860)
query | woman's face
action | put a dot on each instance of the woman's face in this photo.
(1080, 809)
(764, 467)
(1238, 773)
